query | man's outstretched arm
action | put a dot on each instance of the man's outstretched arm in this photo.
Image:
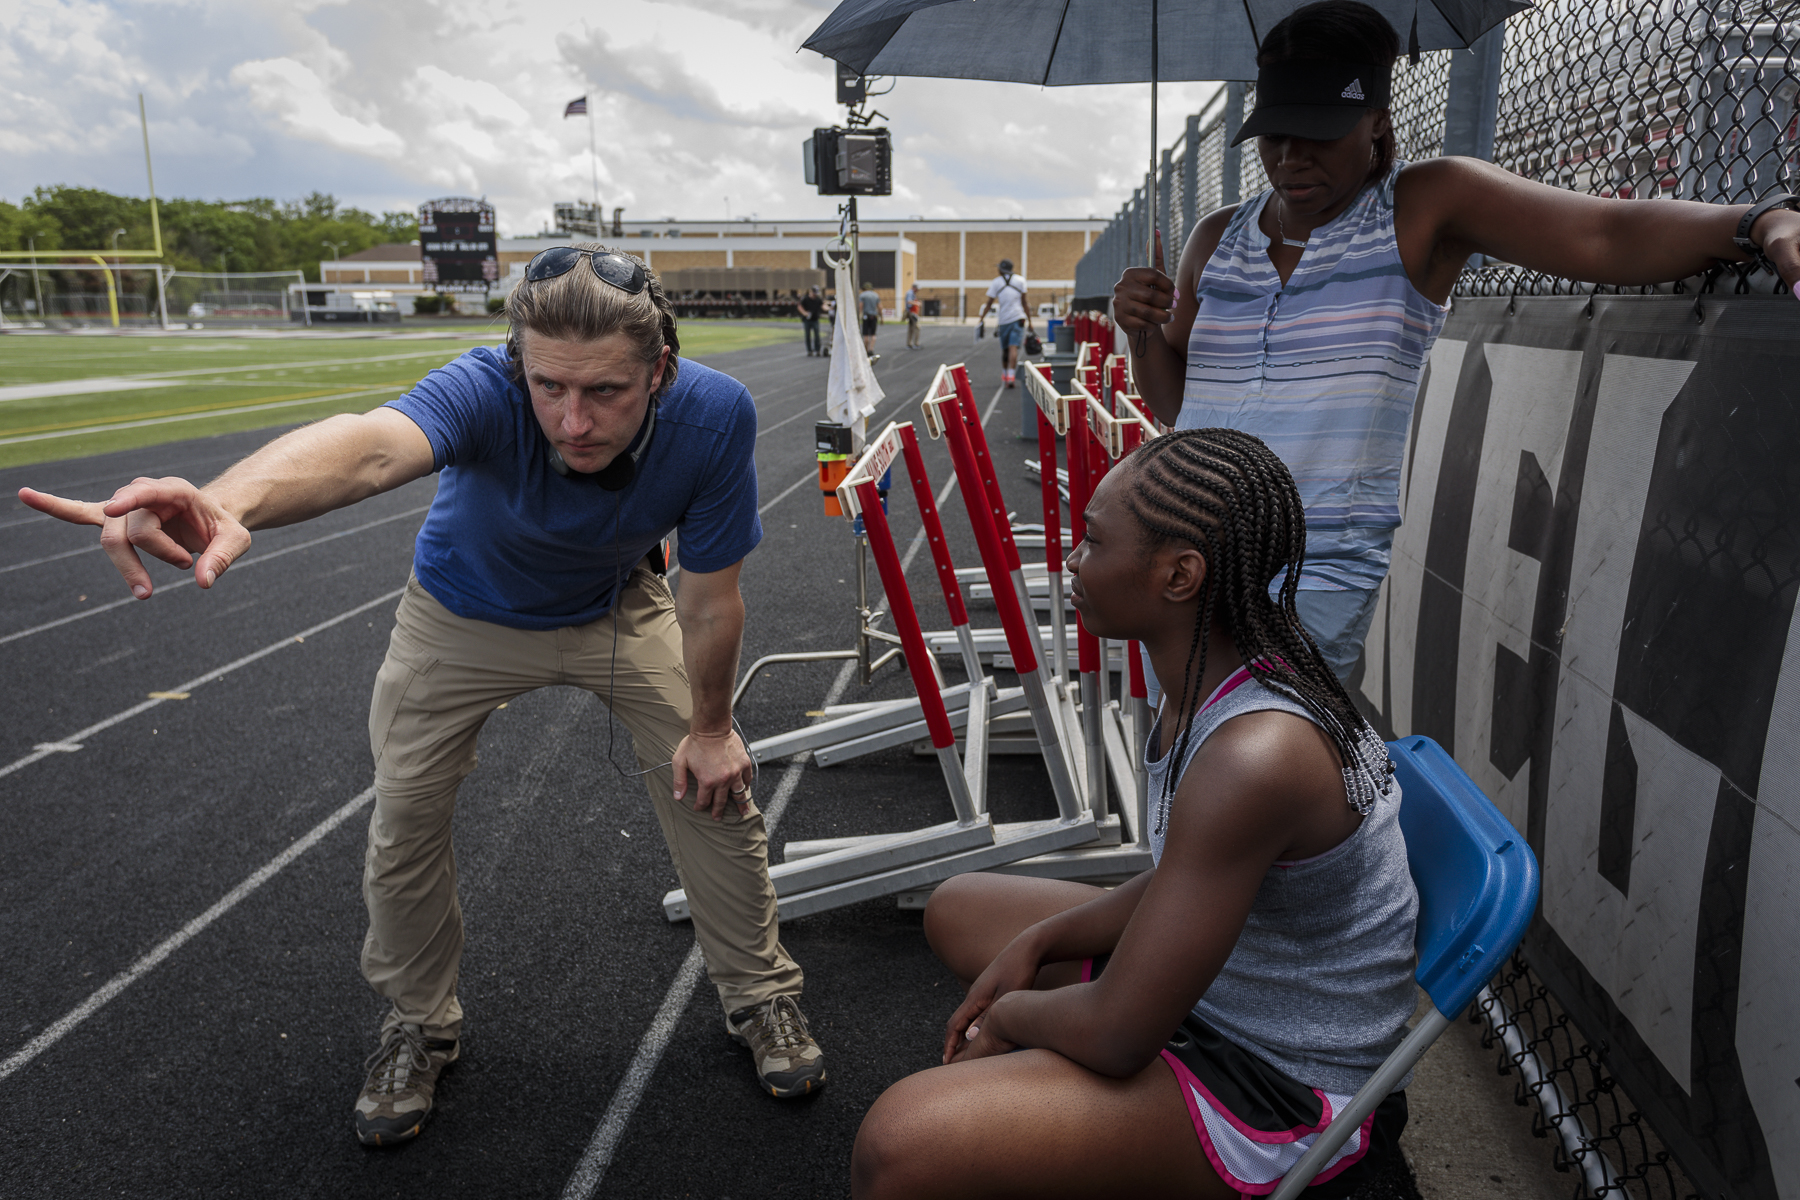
(299, 475)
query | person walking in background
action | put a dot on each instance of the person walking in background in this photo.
(868, 303)
(811, 308)
(830, 323)
(1008, 293)
(912, 318)
(1321, 297)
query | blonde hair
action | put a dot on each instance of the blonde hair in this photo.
(580, 306)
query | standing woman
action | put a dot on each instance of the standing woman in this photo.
(1305, 314)
(1190, 1032)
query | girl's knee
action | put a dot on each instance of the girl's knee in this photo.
(949, 908)
(890, 1154)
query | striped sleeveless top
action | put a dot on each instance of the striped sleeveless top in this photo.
(1320, 982)
(1324, 368)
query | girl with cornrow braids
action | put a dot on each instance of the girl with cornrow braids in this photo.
(1189, 1032)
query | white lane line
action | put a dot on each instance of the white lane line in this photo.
(76, 387)
(143, 966)
(50, 558)
(588, 1173)
(45, 749)
(151, 378)
(147, 422)
(811, 408)
(187, 581)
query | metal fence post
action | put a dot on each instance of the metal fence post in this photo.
(1190, 182)
(1230, 169)
(1473, 104)
(1165, 184)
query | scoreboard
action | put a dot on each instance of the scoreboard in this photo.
(457, 245)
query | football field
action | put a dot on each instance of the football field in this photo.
(67, 395)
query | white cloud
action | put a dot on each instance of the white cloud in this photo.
(698, 106)
(295, 93)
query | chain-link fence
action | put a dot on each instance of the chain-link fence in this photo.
(1631, 99)
(1687, 99)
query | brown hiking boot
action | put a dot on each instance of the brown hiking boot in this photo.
(788, 1062)
(403, 1075)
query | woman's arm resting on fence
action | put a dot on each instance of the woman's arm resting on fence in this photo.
(300, 475)
(1234, 815)
(1450, 208)
(1147, 299)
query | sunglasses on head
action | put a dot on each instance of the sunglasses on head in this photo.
(620, 270)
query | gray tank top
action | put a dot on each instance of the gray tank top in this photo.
(1320, 983)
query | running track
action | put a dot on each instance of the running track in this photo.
(181, 1012)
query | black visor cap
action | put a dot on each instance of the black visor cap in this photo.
(1321, 101)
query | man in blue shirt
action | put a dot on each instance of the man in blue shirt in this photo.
(566, 461)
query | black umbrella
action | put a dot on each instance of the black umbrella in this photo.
(1056, 43)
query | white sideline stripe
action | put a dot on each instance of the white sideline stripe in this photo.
(199, 416)
(48, 558)
(107, 383)
(75, 739)
(76, 387)
(188, 581)
(143, 966)
(588, 1173)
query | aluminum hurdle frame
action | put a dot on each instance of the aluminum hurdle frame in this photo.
(823, 875)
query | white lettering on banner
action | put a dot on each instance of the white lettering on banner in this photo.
(1652, 979)
(1528, 412)
(1398, 605)
(1769, 977)
(1586, 910)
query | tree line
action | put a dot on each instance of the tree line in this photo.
(200, 235)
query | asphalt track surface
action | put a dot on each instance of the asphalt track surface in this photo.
(181, 1012)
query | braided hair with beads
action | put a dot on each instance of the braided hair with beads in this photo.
(1226, 493)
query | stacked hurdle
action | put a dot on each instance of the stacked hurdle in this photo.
(1083, 744)
(829, 874)
(1096, 433)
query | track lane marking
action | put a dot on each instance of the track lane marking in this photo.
(188, 580)
(201, 415)
(45, 749)
(187, 933)
(585, 1180)
(192, 372)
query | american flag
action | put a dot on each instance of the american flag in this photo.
(576, 108)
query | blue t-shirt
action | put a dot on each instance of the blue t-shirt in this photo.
(510, 541)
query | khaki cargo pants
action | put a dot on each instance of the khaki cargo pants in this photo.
(443, 675)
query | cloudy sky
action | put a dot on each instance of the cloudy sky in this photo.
(700, 107)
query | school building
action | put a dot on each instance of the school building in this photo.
(951, 261)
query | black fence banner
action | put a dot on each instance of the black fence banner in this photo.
(1592, 607)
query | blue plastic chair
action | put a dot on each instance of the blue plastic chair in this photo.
(1478, 886)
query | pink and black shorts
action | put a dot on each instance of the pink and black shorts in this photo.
(1254, 1122)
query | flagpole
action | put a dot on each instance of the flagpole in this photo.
(593, 166)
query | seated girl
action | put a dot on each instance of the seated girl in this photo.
(1190, 1032)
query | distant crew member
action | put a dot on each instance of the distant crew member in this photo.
(868, 302)
(566, 461)
(811, 308)
(912, 318)
(1008, 292)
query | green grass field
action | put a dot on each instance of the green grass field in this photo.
(69, 395)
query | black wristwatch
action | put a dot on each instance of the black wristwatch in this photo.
(1787, 200)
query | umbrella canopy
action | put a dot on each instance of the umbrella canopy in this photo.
(1057, 43)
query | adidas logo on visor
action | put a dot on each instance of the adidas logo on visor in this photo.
(1354, 91)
